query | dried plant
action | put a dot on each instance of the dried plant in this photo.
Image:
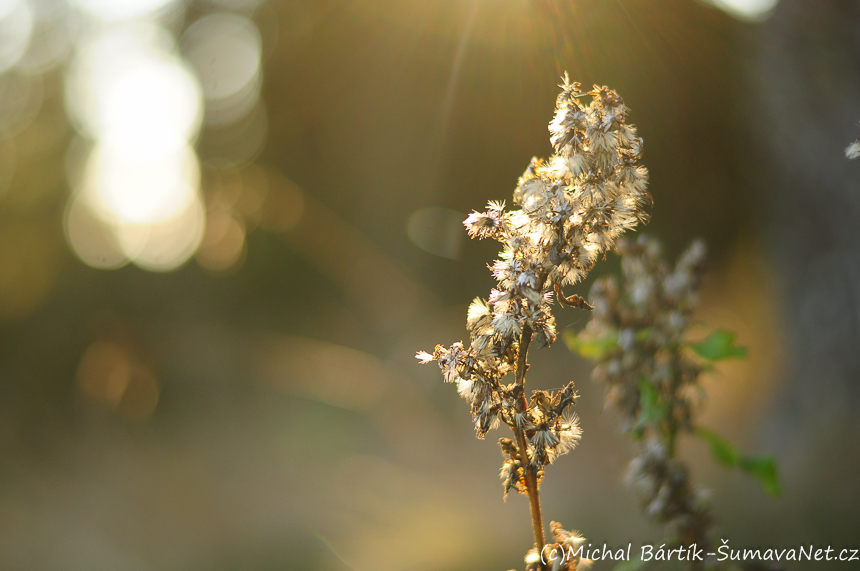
(639, 337)
(572, 208)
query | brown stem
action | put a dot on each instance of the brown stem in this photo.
(531, 489)
(529, 471)
(523, 352)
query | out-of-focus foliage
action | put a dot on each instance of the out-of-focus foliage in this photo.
(762, 467)
(718, 345)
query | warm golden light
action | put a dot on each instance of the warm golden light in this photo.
(143, 107)
(16, 26)
(224, 50)
(126, 189)
(126, 87)
(114, 10)
(746, 9)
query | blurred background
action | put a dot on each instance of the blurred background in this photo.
(226, 227)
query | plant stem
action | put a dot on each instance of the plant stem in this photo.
(671, 435)
(530, 473)
(532, 490)
(523, 353)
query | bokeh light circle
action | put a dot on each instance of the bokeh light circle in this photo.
(117, 10)
(124, 86)
(225, 51)
(16, 26)
(127, 189)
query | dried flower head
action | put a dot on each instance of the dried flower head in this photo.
(571, 209)
(638, 330)
(636, 335)
(565, 554)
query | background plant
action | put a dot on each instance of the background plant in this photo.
(640, 338)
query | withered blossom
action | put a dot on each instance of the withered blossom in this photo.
(640, 327)
(571, 209)
(637, 335)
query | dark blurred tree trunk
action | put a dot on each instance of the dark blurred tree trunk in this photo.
(805, 64)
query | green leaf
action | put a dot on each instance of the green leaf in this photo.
(650, 407)
(722, 450)
(632, 565)
(590, 348)
(720, 344)
(764, 468)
